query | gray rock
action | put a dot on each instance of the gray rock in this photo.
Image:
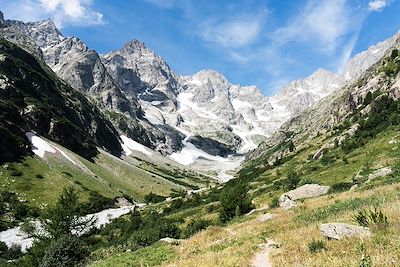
(380, 173)
(287, 200)
(341, 230)
(256, 210)
(171, 241)
(265, 217)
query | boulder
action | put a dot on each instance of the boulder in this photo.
(287, 200)
(341, 230)
(379, 173)
(265, 217)
(171, 241)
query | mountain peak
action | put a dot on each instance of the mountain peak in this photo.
(135, 44)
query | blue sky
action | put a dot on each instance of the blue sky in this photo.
(264, 43)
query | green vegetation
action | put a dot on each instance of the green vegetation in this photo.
(372, 218)
(148, 256)
(316, 246)
(234, 200)
(153, 198)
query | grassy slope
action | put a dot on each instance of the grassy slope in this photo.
(107, 175)
(236, 243)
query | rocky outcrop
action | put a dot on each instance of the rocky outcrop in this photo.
(211, 146)
(171, 241)
(342, 230)
(50, 107)
(329, 112)
(379, 173)
(288, 199)
(265, 217)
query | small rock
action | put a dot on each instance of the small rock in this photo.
(256, 210)
(353, 188)
(341, 230)
(379, 173)
(171, 241)
(265, 217)
(392, 142)
(287, 200)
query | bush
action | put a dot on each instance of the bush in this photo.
(67, 251)
(144, 237)
(39, 176)
(195, 227)
(316, 246)
(153, 198)
(13, 252)
(3, 249)
(274, 203)
(340, 187)
(372, 218)
(293, 178)
(234, 200)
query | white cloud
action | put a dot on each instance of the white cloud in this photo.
(63, 12)
(322, 23)
(234, 32)
(377, 5)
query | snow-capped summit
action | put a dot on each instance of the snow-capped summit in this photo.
(142, 73)
(300, 94)
(362, 61)
(167, 111)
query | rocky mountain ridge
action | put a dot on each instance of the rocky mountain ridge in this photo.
(381, 79)
(153, 105)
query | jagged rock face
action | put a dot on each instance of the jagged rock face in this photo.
(160, 109)
(301, 94)
(362, 61)
(49, 106)
(82, 68)
(143, 74)
(331, 111)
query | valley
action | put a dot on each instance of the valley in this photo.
(192, 170)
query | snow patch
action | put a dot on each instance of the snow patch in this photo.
(128, 145)
(39, 145)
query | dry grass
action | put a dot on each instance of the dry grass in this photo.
(236, 244)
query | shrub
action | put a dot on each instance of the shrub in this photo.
(274, 203)
(144, 237)
(211, 208)
(153, 198)
(293, 178)
(316, 246)
(340, 187)
(372, 218)
(234, 200)
(13, 252)
(66, 251)
(28, 228)
(3, 249)
(195, 227)
(39, 176)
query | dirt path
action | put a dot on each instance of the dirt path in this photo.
(261, 259)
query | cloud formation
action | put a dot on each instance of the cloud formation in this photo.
(321, 23)
(377, 5)
(234, 32)
(70, 12)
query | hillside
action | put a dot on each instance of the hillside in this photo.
(117, 160)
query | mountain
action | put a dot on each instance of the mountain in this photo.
(146, 100)
(325, 115)
(33, 98)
